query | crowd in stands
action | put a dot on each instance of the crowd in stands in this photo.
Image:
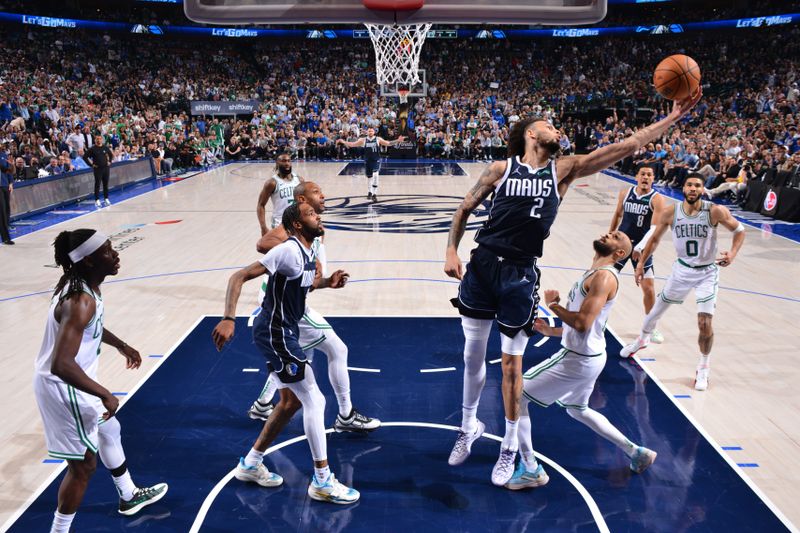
(59, 88)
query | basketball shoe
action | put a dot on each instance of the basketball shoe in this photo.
(356, 423)
(463, 445)
(504, 467)
(525, 479)
(641, 459)
(257, 474)
(332, 491)
(701, 378)
(640, 343)
(656, 337)
(142, 498)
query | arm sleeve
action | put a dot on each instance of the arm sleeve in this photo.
(284, 259)
(640, 246)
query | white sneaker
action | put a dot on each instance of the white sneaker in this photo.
(257, 474)
(97, 204)
(656, 337)
(463, 445)
(261, 411)
(642, 458)
(640, 343)
(332, 491)
(356, 423)
(504, 467)
(108, 202)
(701, 378)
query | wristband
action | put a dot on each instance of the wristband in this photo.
(232, 319)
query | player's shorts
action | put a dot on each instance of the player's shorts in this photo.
(281, 347)
(312, 329)
(649, 271)
(372, 167)
(704, 280)
(566, 378)
(501, 289)
(71, 418)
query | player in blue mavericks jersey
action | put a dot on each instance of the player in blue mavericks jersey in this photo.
(372, 157)
(502, 280)
(634, 214)
(293, 270)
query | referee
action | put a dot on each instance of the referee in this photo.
(99, 156)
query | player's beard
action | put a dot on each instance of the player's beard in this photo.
(602, 249)
(285, 172)
(692, 201)
(552, 146)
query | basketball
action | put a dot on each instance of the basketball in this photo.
(676, 77)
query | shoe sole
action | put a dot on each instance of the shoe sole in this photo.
(248, 479)
(633, 353)
(340, 429)
(314, 496)
(529, 484)
(481, 429)
(645, 467)
(700, 388)
(255, 416)
(137, 508)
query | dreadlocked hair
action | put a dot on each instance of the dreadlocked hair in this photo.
(516, 139)
(64, 244)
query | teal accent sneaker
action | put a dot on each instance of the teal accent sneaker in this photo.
(142, 498)
(257, 474)
(332, 491)
(641, 459)
(525, 479)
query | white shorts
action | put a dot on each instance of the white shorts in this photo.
(566, 378)
(71, 418)
(312, 329)
(683, 279)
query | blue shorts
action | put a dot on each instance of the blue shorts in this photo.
(501, 289)
(372, 167)
(648, 265)
(281, 347)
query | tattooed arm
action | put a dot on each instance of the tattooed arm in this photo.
(477, 194)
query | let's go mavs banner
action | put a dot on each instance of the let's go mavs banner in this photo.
(235, 107)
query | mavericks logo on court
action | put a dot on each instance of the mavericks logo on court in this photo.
(398, 213)
(770, 200)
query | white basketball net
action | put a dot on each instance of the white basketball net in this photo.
(397, 49)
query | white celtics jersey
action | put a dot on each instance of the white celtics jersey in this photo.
(282, 196)
(694, 237)
(593, 341)
(318, 247)
(89, 349)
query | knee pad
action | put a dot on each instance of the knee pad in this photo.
(514, 346)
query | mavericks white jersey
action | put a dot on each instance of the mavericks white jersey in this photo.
(593, 341)
(694, 237)
(89, 350)
(283, 196)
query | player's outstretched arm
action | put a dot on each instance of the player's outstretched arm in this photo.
(224, 330)
(659, 204)
(337, 280)
(573, 167)
(266, 192)
(272, 239)
(722, 215)
(384, 142)
(355, 144)
(616, 218)
(477, 194)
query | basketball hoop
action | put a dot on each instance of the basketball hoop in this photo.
(403, 94)
(397, 49)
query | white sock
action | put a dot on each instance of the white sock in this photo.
(125, 485)
(253, 457)
(322, 474)
(704, 362)
(600, 425)
(510, 441)
(469, 419)
(345, 405)
(61, 522)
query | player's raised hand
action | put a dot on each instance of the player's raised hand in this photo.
(452, 266)
(551, 297)
(222, 333)
(680, 108)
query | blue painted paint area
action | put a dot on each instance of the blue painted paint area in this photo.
(767, 225)
(732, 448)
(187, 425)
(393, 167)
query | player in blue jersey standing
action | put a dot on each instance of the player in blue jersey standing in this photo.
(293, 270)
(501, 282)
(634, 214)
(372, 157)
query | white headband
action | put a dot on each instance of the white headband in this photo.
(88, 247)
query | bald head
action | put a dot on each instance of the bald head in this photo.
(616, 245)
(310, 193)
